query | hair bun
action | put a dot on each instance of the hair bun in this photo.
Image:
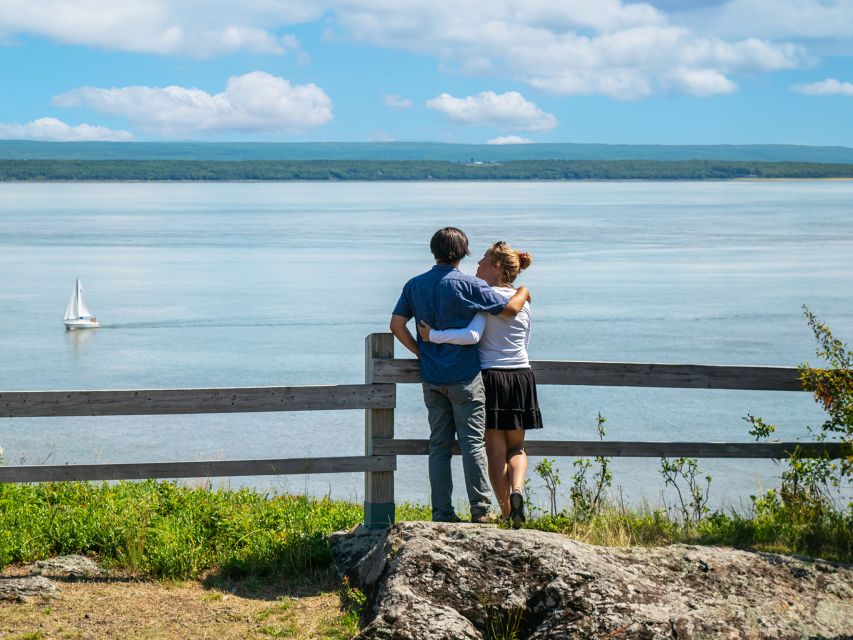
(524, 259)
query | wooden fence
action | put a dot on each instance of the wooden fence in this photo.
(377, 397)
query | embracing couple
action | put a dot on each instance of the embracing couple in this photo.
(471, 340)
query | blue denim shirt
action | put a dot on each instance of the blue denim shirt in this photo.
(446, 298)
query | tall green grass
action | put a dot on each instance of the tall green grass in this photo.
(170, 531)
(827, 534)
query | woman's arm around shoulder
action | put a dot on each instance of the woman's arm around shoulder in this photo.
(469, 335)
(516, 302)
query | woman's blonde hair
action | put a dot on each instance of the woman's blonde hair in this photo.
(509, 261)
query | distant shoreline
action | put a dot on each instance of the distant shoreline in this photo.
(413, 170)
(839, 179)
(417, 151)
(520, 181)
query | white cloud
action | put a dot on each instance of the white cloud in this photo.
(54, 130)
(291, 44)
(509, 140)
(396, 102)
(637, 63)
(773, 19)
(828, 87)
(576, 15)
(700, 82)
(508, 110)
(625, 50)
(256, 101)
(198, 28)
(622, 85)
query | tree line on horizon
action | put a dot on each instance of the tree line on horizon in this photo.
(378, 170)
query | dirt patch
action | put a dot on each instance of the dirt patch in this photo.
(134, 609)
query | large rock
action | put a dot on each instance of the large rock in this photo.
(72, 566)
(31, 580)
(430, 581)
(21, 589)
(349, 547)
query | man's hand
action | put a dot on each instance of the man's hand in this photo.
(401, 332)
(516, 303)
(424, 329)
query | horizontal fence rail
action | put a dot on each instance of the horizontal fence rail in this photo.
(206, 469)
(378, 398)
(31, 404)
(627, 374)
(775, 450)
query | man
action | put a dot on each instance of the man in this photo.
(446, 298)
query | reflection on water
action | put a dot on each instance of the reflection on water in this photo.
(79, 338)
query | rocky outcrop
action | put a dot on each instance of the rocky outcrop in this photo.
(431, 581)
(32, 580)
(24, 588)
(72, 566)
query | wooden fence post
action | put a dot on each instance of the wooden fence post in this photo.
(378, 423)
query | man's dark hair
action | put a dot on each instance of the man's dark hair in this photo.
(449, 245)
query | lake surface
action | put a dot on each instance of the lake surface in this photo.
(239, 284)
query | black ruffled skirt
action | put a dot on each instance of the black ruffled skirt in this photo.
(511, 401)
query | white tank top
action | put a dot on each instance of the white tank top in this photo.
(504, 341)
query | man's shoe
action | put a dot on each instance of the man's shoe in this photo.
(516, 509)
(452, 519)
(490, 517)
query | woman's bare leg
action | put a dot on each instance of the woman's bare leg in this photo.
(516, 459)
(496, 452)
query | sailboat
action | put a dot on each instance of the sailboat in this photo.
(77, 315)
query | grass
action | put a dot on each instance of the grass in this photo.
(278, 621)
(827, 535)
(165, 610)
(168, 531)
(255, 547)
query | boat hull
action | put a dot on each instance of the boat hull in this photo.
(71, 325)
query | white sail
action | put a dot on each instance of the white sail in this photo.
(71, 311)
(82, 310)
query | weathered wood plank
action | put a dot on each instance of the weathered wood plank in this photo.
(400, 370)
(379, 508)
(776, 450)
(681, 376)
(208, 469)
(628, 374)
(21, 404)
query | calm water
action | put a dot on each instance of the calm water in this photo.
(272, 284)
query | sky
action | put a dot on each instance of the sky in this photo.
(467, 71)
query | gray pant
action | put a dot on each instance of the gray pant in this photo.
(457, 410)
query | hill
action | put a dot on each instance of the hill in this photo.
(423, 151)
(383, 170)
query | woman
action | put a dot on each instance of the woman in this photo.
(511, 403)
